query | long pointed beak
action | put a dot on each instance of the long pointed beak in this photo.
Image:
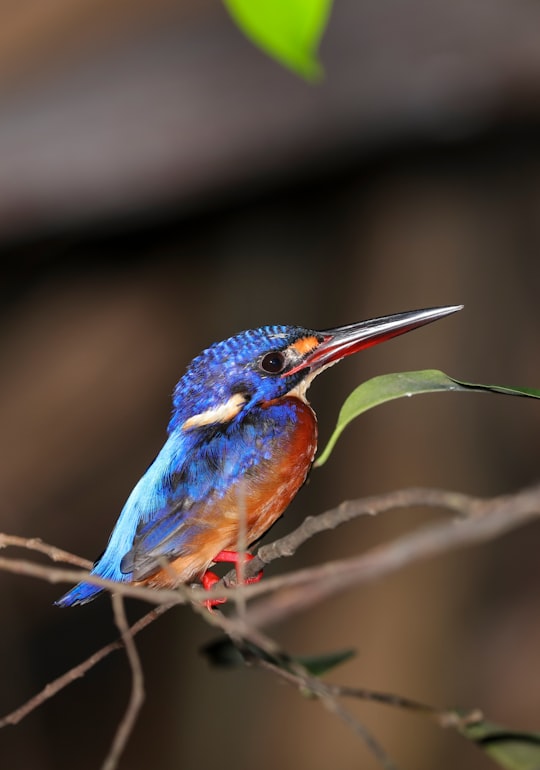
(346, 340)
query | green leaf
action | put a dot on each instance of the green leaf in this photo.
(223, 652)
(388, 387)
(289, 30)
(510, 749)
(316, 665)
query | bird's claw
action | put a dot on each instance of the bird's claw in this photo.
(209, 579)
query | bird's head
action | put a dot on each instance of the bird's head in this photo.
(268, 363)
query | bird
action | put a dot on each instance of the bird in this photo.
(240, 443)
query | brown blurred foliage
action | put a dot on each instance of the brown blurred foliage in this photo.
(162, 185)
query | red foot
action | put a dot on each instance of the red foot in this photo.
(234, 558)
(209, 579)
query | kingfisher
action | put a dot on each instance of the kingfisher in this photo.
(240, 443)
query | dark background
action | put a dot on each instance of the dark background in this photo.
(163, 184)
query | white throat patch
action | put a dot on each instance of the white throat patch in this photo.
(300, 390)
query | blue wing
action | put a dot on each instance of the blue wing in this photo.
(148, 499)
(219, 459)
(192, 471)
(158, 518)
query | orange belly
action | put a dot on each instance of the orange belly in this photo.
(251, 506)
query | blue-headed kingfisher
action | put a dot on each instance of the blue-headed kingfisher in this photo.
(241, 440)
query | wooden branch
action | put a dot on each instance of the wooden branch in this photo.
(136, 699)
(463, 505)
(484, 520)
(60, 575)
(442, 717)
(36, 544)
(54, 687)
(327, 695)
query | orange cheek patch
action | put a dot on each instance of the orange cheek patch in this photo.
(304, 345)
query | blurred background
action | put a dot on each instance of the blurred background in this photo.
(164, 184)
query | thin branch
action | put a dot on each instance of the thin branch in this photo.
(487, 519)
(442, 717)
(326, 695)
(36, 544)
(464, 505)
(237, 629)
(136, 699)
(357, 727)
(59, 575)
(241, 547)
(80, 670)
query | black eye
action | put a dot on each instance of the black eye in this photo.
(273, 363)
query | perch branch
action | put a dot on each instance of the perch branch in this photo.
(485, 519)
(463, 505)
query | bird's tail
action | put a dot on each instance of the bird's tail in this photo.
(81, 594)
(108, 564)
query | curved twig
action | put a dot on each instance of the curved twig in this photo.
(137, 686)
(36, 544)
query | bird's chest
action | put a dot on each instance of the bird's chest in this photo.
(262, 464)
(288, 448)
